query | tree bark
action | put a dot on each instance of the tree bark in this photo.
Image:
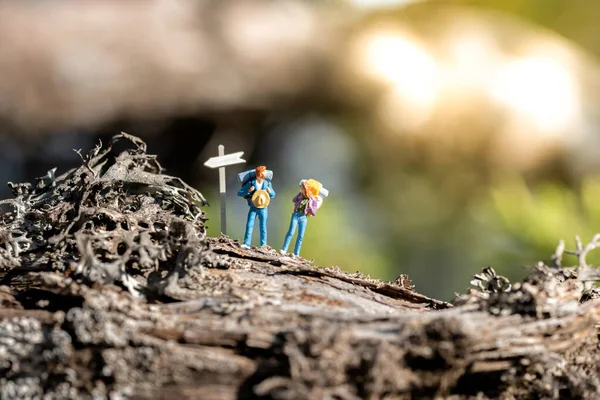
(112, 304)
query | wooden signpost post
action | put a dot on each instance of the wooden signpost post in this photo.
(221, 161)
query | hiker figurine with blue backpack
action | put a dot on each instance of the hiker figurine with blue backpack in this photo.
(258, 191)
(306, 204)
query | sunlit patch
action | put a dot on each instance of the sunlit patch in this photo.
(411, 73)
(404, 64)
(473, 56)
(540, 90)
(381, 3)
(397, 115)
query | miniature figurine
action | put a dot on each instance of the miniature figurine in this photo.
(258, 191)
(306, 204)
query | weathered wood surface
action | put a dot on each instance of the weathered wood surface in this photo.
(157, 310)
(286, 329)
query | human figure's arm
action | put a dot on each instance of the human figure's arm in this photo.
(245, 190)
(313, 205)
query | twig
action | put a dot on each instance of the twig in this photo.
(558, 254)
(581, 251)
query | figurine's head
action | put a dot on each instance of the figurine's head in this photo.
(310, 188)
(261, 172)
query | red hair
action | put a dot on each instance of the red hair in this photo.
(261, 170)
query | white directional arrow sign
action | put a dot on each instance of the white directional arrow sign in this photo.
(221, 162)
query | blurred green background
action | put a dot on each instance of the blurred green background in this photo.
(452, 135)
(447, 195)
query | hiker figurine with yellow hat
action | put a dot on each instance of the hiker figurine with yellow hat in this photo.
(306, 204)
(258, 191)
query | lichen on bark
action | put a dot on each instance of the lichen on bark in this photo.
(115, 219)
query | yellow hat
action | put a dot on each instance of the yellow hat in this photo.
(261, 199)
(316, 185)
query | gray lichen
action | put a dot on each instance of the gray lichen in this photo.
(115, 219)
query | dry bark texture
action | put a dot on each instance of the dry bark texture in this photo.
(110, 289)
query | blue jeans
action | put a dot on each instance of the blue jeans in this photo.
(300, 220)
(262, 214)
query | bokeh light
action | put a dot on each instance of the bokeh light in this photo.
(540, 90)
(400, 62)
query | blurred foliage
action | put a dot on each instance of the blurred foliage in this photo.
(531, 219)
(446, 210)
(577, 20)
(441, 202)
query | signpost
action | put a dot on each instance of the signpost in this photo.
(221, 162)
